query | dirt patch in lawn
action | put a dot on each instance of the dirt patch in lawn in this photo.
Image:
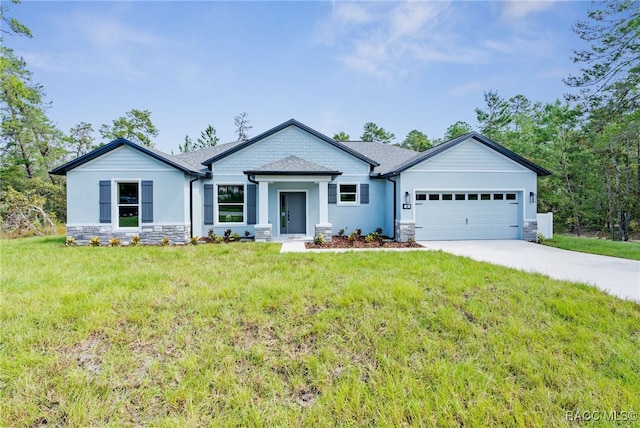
(361, 242)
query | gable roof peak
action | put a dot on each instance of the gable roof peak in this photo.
(420, 157)
(165, 158)
(283, 125)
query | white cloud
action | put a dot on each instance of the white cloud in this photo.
(388, 40)
(351, 13)
(520, 9)
(102, 45)
(381, 39)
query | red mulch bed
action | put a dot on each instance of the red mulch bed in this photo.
(343, 242)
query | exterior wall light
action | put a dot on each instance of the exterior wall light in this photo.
(407, 198)
(532, 197)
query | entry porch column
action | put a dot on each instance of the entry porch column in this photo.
(323, 228)
(263, 230)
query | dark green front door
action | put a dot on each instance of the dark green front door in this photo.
(293, 213)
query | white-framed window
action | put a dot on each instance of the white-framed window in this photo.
(348, 194)
(230, 203)
(127, 204)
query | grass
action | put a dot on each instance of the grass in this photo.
(240, 335)
(625, 250)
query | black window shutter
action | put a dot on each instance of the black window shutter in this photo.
(147, 201)
(251, 204)
(333, 193)
(364, 193)
(105, 201)
(208, 204)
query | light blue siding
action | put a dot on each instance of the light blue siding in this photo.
(312, 204)
(367, 217)
(290, 141)
(124, 158)
(467, 167)
(170, 187)
(470, 156)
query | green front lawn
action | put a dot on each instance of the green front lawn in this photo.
(625, 250)
(240, 335)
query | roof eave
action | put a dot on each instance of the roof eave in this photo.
(482, 140)
(292, 172)
(291, 122)
(63, 169)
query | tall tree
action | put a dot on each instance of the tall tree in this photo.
(208, 138)
(416, 140)
(12, 26)
(611, 64)
(80, 139)
(341, 136)
(28, 137)
(495, 118)
(609, 87)
(241, 122)
(187, 146)
(136, 126)
(457, 129)
(376, 134)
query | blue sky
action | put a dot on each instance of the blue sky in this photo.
(331, 65)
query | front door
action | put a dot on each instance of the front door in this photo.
(293, 213)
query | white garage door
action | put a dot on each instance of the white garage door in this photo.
(467, 215)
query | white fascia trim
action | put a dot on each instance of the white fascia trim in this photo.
(128, 170)
(292, 178)
(472, 171)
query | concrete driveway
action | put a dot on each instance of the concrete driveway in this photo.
(620, 277)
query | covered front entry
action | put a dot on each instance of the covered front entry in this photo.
(293, 213)
(455, 215)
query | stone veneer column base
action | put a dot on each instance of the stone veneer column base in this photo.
(326, 230)
(405, 230)
(530, 231)
(262, 232)
(149, 235)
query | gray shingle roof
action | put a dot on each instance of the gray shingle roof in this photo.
(168, 159)
(293, 165)
(197, 157)
(387, 155)
(303, 127)
(427, 154)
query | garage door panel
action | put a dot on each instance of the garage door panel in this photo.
(465, 217)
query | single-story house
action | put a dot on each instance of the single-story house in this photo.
(294, 181)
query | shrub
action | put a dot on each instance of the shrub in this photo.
(227, 234)
(71, 241)
(235, 237)
(540, 238)
(247, 234)
(358, 232)
(411, 242)
(114, 242)
(219, 239)
(379, 231)
(194, 240)
(95, 241)
(375, 237)
(341, 232)
(135, 241)
(319, 239)
(211, 235)
(353, 237)
(164, 241)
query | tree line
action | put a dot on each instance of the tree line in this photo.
(589, 139)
